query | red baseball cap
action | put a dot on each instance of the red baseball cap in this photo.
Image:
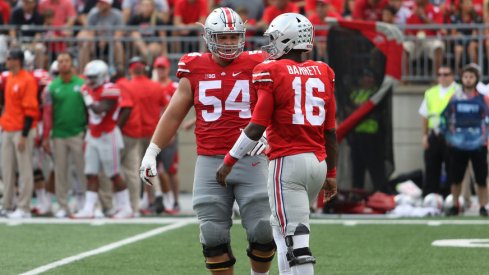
(161, 61)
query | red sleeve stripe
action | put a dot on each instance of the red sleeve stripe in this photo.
(181, 63)
(183, 70)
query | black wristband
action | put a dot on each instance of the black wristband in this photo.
(27, 126)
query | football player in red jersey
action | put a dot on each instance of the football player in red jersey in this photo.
(218, 85)
(104, 140)
(297, 107)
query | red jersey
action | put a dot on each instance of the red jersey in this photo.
(318, 21)
(338, 6)
(190, 12)
(296, 102)
(223, 98)
(133, 126)
(271, 12)
(364, 11)
(149, 99)
(105, 122)
(43, 78)
(432, 13)
(169, 89)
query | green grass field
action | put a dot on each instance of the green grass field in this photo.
(340, 246)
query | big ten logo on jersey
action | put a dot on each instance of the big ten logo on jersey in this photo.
(210, 76)
(238, 99)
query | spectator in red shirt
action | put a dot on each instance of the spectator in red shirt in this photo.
(64, 13)
(186, 14)
(323, 9)
(451, 7)
(276, 8)
(424, 41)
(189, 12)
(56, 45)
(5, 11)
(336, 5)
(369, 10)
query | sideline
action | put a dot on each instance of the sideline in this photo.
(106, 248)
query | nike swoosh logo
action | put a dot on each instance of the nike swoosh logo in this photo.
(235, 74)
(254, 164)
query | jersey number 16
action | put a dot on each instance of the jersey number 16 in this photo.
(311, 101)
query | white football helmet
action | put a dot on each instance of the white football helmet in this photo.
(449, 202)
(289, 31)
(53, 69)
(433, 200)
(97, 73)
(224, 21)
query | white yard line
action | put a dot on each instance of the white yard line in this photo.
(107, 248)
(164, 220)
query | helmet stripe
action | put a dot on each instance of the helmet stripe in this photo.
(229, 18)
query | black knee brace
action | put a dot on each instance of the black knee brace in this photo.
(296, 256)
(218, 251)
(267, 247)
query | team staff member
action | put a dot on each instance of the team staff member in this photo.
(435, 100)
(65, 121)
(152, 101)
(18, 121)
(130, 123)
(169, 155)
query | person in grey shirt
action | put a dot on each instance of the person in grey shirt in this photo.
(130, 8)
(254, 7)
(103, 15)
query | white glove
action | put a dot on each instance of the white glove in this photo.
(148, 165)
(87, 98)
(260, 146)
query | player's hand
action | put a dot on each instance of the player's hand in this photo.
(21, 144)
(148, 164)
(259, 147)
(330, 189)
(222, 173)
(148, 169)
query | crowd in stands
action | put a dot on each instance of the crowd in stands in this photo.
(143, 15)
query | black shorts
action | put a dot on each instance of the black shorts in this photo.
(459, 159)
